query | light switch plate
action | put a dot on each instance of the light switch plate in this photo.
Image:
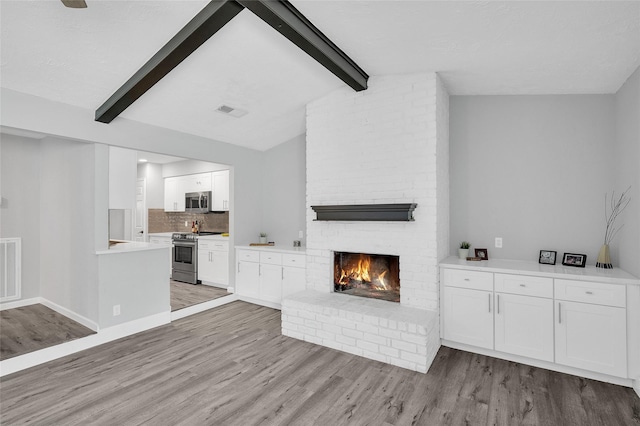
(498, 242)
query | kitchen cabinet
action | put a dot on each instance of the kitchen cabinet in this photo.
(268, 275)
(164, 240)
(213, 261)
(220, 188)
(591, 335)
(200, 182)
(536, 315)
(174, 194)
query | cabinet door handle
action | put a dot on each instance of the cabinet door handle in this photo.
(466, 279)
(282, 269)
(238, 267)
(489, 297)
(498, 304)
(559, 313)
(589, 292)
(260, 270)
(522, 285)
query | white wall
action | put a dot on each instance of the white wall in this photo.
(627, 172)
(20, 207)
(283, 192)
(155, 184)
(68, 265)
(532, 170)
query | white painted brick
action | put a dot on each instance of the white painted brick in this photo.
(413, 357)
(367, 346)
(404, 346)
(325, 335)
(375, 338)
(346, 340)
(374, 356)
(367, 328)
(390, 352)
(353, 333)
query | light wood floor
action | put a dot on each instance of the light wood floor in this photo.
(232, 366)
(184, 294)
(34, 327)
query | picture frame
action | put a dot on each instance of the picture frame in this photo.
(547, 257)
(482, 253)
(574, 259)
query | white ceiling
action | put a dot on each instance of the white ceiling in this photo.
(81, 56)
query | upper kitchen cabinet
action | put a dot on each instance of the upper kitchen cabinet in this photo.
(174, 194)
(123, 173)
(220, 184)
(200, 182)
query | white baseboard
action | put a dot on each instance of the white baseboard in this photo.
(22, 362)
(69, 314)
(19, 303)
(268, 304)
(636, 386)
(201, 307)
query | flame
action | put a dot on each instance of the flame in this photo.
(361, 272)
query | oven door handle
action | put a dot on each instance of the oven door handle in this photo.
(185, 244)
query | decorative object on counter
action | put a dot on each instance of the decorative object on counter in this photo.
(297, 243)
(474, 259)
(573, 259)
(617, 206)
(263, 238)
(271, 243)
(463, 251)
(547, 257)
(482, 253)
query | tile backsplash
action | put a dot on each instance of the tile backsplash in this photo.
(161, 221)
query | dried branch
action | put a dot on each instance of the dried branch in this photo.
(617, 206)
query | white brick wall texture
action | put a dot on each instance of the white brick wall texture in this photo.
(387, 144)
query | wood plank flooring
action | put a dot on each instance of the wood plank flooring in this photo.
(232, 366)
(34, 327)
(184, 294)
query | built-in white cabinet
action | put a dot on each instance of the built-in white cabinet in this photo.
(530, 316)
(174, 195)
(200, 182)
(213, 262)
(268, 275)
(591, 326)
(220, 188)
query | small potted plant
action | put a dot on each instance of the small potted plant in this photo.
(263, 238)
(463, 251)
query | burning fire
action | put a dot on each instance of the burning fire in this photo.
(361, 272)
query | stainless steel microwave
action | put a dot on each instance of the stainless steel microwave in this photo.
(197, 202)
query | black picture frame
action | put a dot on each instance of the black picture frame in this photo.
(547, 257)
(482, 253)
(574, 259)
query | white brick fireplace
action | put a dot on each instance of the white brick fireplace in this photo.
(385, 145)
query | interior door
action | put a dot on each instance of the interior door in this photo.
(140, 222)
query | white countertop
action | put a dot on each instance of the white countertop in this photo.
(162, 234)
(520, 267)
(281, 249)
(130, 246)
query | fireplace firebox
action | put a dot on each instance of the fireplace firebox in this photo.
(367, 275)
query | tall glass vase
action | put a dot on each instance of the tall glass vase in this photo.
(604, 259)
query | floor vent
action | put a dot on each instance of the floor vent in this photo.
(10, 268)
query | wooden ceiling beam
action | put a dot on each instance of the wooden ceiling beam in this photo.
(279, 14)
(288, 21)
(206, 23)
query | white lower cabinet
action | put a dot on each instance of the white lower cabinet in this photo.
(468, 316)
(269, 275)
(575, 323)
(165, 241)
(213, 261)
(591, 337)
(524, 326)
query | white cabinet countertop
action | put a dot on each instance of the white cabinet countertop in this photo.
(129, 246)
(280, 249)
(161, 234)
(520, 267)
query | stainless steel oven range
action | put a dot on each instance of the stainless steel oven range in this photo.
(184, 257)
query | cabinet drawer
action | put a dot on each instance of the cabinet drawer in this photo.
(270, 258)
(295, 260)
(204, 244)
(596, 293)
(249, 255)
(468, 279)
(524, 285)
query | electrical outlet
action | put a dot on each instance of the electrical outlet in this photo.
(300, 234)
(116, 310)
(498, 242)
(186, 223)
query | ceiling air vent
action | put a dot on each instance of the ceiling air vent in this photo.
(233, 112)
